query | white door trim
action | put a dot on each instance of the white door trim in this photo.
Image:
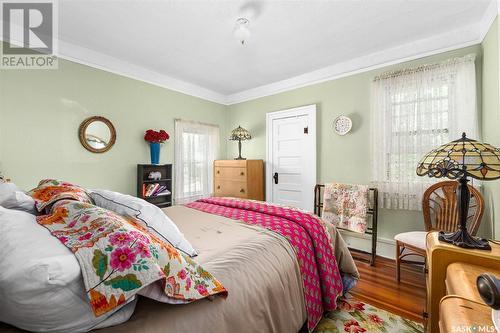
(310, 111)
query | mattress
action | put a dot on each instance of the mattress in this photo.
(258, 268)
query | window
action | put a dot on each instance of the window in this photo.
(196, 148)
(414, 111)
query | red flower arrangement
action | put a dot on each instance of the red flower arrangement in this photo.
(156, 136)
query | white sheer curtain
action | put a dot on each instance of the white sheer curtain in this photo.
(414, 111)
(196, 148)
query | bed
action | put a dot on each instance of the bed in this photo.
(258, 268)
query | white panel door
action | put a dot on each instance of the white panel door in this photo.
(292, 159)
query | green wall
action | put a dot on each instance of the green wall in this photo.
(491, 117)
(340, 158)
(41, 110)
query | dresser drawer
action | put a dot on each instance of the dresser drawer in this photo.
(456, 312)
(231, 163)
(461, 280)
(238, 174)
(230, 188)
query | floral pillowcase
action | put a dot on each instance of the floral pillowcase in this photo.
(118, 257)
(50, 190)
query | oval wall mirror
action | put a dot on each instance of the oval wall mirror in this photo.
(97, 134)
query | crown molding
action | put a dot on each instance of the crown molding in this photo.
(489, 17)
(117, 66)
(94, 59)
(463, 37)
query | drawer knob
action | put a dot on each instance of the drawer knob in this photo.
(218, 171)
(218, 187)
(488, 287)
(242, 191)
(242, 173)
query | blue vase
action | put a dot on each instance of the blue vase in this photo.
(154, 148)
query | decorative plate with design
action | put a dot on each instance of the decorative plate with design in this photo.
(342, 125)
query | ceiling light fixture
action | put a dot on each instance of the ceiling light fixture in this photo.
(241, 31)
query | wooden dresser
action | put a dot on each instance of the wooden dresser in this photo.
(452, 298)
(239, 178)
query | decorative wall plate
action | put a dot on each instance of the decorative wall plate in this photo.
(342, 125)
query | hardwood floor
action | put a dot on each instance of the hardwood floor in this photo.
(378, 287)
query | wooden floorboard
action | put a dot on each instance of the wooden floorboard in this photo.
(378, 287)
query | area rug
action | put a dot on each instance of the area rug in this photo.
(353, 316)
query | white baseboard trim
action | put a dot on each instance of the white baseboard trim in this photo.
(385, 247)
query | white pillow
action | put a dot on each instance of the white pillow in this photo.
(13, 198)
(156, 220)
(41, 287)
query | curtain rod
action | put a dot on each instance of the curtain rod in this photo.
(425, 67)
(196, 122)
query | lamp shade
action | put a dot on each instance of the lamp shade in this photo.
(239, 133)
(462, 157)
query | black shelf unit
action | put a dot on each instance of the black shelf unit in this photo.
(143, 171)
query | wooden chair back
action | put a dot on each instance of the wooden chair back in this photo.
(440, 208)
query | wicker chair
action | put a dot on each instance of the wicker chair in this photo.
(439, 205)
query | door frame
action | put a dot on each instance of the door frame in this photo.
(310, 111)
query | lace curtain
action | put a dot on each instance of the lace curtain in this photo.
(414, 111)
(196, 148)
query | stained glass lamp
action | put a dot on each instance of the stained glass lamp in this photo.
(240, 134)
(460, 159)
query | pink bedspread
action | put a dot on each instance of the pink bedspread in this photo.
(309, 238)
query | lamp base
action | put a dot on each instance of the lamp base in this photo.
(462, 238)
(239, 152)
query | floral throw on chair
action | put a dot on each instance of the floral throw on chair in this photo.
(346, 206)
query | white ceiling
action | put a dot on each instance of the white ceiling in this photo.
(189, 45)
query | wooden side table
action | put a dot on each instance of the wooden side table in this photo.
(439, 256)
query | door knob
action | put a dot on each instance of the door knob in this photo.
(275, 178)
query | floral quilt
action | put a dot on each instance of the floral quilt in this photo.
(118, 257)
(346, 206)
(51, 190)
(308, 236)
